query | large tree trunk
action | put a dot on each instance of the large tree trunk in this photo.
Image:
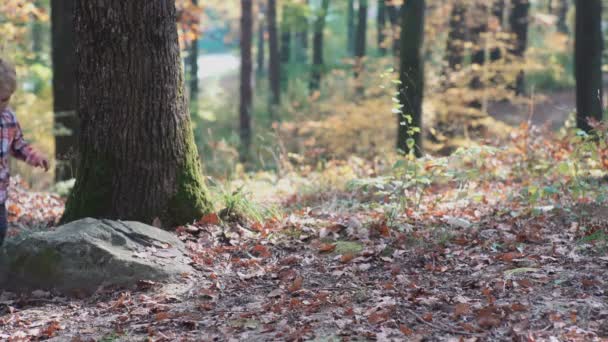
(588, 62)
(64, 88)
(519, 19)
(456, 37)
(411, 74)
(246, 78)
(350, 27)
(193, 63)
(285, 47)
(317, 54)
(274, 63)
(138, 160)
(381, 25)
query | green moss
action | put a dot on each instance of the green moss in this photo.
(191, 200)
(348, 247)
(42, 266)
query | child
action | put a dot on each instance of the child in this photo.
(11, 140)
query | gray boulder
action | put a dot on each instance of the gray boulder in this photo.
(83, 255)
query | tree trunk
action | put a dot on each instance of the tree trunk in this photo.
(393, 16)
(64, 88)
(193, 62)
(350, 27)
(381, 22)
(246, 78)
(411, 74)
(285, 52)
(261, 49)
(478, 55)
(317, 54)
(360, 41)
(588, 62)
(498, 11)
(456, 36)
(138, 160)
(519, 19)
(274, 65)
(302, 39)
(562, 16)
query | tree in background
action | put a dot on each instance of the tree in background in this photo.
(64, 88)
(411, 76)
(381, 26)
(301, 36)
(274, 63)
(317, 54)
(562, 16)
(393, 16)
(285, 52)
(361, 39)
(350, 27)
(588, 62)
(137, 157)
(261, 40)
(456, 36)
(246, 78)
(518, 20)
(193, 67)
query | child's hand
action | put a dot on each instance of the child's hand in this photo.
(38, 160)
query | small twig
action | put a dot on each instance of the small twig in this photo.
(444, 328)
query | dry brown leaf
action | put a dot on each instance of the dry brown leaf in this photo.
(327, 247)
(296, 285)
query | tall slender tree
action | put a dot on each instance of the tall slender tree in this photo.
(317, 55)
(411, 76)
(246, 78)
(193, 67)
(350, 27)
(64, 88)
(138, 160)
(274, 63)
(562, 16)
(301, 37)
(361, 39)
(519, 19)
(393, 16)
(285, 52)
(456, 36)
(381, 26)
(261, 43)
(588, 62)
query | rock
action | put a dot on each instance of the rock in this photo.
(83, 255)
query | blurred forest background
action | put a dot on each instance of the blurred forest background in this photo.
(318, 97)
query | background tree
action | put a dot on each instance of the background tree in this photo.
(317, 54)
(381, 26)
(193, 67)
(588, 62)
(562, 16)
(274, 63)
(361, 39)
(285, 53)
(64, 88)
(456, 36)
(393, 16)
(411, 76)
(138, 160)
(518, 20)
(350, 27)
(246, 78)
(301, 36)
(261, 41)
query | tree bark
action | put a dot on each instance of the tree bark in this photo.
(64, 88)
(193, 62)
(246, 78)
(588, 62)
(381, 24)
(361, 40)
(411, 74)
(350, 27)
(137, 158)
(274, 65)
(519, 19)
(317, 55)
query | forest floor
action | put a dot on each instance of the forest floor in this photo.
(490, 261)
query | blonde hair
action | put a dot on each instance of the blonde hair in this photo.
(8, 78)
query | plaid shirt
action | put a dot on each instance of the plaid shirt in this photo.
(11, 143)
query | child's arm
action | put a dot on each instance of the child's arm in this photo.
(22, 150)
